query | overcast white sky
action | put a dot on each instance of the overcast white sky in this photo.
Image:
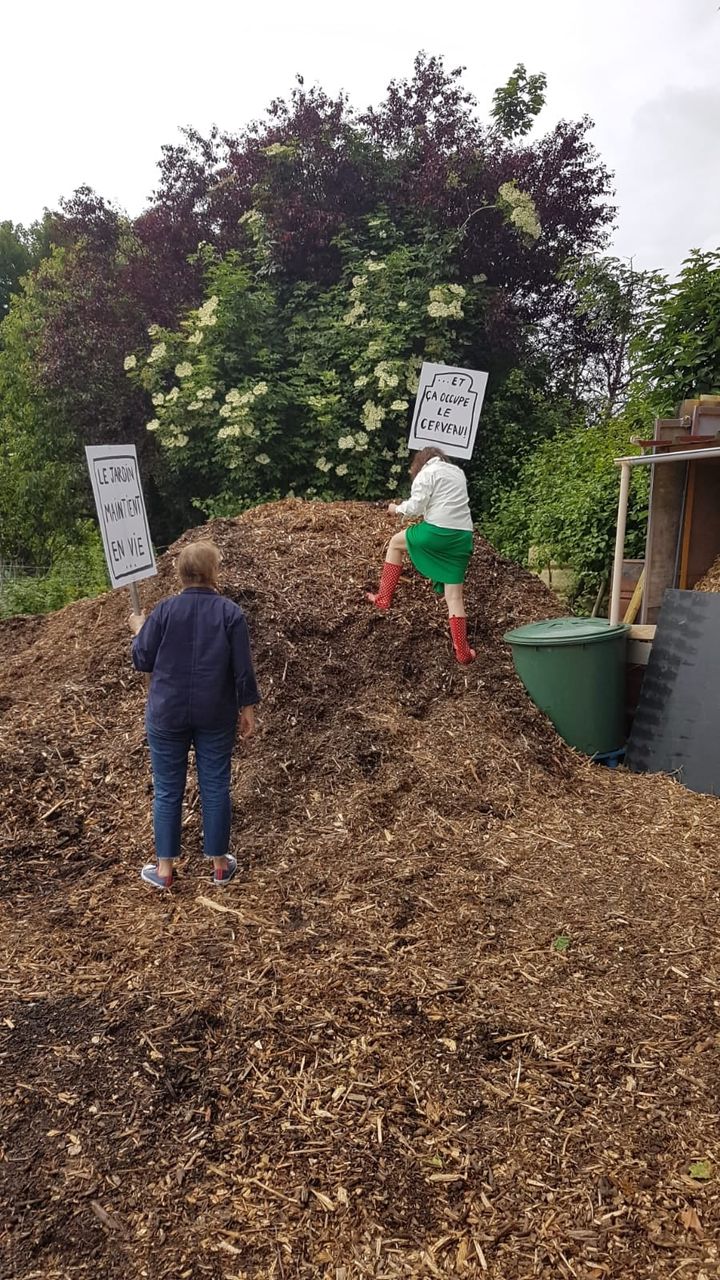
(90, 90)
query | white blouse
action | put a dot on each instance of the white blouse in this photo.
(439, 494)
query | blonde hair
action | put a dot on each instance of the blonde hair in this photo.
(198, 564)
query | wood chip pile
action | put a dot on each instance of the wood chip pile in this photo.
(459, 1015)
(711, 580)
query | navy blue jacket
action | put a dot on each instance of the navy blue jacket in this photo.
(197, 647)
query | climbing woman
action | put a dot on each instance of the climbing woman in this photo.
(439, 546)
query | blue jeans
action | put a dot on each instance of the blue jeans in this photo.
(169, 757)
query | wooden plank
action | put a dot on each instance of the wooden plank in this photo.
(637, 595)
(638, 653)
(704, 540)
(679, 442)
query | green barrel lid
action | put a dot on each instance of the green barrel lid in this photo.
(566, 631)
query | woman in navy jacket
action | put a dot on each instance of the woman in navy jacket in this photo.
(197, 648)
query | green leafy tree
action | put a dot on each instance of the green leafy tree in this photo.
(39, 496)
(565, 502)
(678, 350)
(521, 412)
(590, 351)
(15, 260)
(21, 249)
(517, 104)
(62, 386)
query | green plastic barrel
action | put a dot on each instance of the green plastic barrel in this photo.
(574, 670)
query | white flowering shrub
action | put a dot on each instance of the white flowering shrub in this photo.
(257, 395)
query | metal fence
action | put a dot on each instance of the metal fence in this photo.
(11, 571)
(16, 586)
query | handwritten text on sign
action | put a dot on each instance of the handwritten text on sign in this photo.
(447, 409)
(120, 506)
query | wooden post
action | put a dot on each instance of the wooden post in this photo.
(600, 595)
(686, 530)
(620, 541)
(631, 612)
(137, 608)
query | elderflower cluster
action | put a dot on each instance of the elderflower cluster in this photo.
(355, 314)
(373, 265)
(263, 459)
(206, 315)
(235, 398)
(342, 470)
(322, 464)
(184, 369)
(357, 311)
(346, 442)
(237, 404)
(228, 432)
(519, 208)
(373, 415)
(446, 302)
(385, 375)
(157, 353)
(399, 406)
(129, 362)
(412, 380)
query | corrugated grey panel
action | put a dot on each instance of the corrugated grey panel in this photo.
(677, 724)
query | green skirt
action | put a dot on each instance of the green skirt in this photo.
(441, 555)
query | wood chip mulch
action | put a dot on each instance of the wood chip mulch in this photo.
(458, 1016)
(711, 580)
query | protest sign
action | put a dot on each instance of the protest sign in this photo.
(447, 409)
(120, 506)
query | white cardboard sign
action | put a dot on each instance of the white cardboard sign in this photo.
(115, 477)
(447, 409)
